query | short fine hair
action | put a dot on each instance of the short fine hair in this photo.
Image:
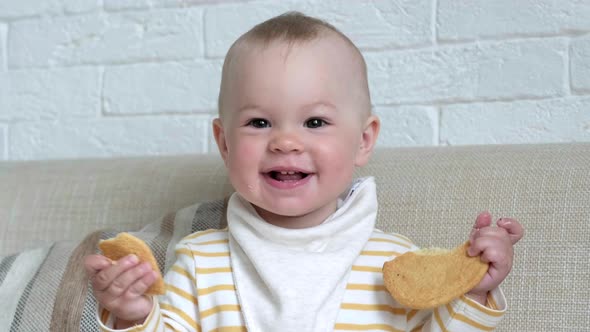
(291, 27)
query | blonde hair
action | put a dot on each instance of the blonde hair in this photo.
(290, 27)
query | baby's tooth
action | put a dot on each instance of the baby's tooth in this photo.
(284, 172)
(291, 173)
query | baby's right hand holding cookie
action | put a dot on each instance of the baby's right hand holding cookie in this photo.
(119, 286)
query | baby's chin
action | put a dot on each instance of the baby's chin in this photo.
(296, 218)
(277, 212)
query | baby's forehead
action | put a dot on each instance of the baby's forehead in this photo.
(326, 39)
(333, 51)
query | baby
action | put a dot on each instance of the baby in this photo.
(300, 252)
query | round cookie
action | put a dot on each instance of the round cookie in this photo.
(126, 244)
(432, 277)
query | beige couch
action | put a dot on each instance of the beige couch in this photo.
(432, 195)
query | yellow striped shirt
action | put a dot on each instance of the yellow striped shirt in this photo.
(201, 294)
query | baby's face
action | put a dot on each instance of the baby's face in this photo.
(293, 128)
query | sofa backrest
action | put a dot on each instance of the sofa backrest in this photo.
(432, 195)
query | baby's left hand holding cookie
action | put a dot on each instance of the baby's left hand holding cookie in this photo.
(495, 245)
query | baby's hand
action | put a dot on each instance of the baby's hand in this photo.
(119, 287)
(495, 244)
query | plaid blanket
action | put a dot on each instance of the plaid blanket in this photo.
(46, 289)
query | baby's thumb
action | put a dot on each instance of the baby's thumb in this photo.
(513, 227)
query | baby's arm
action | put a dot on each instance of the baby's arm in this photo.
(176, 310)
(482, 308)
(179, 305)
(462, 314)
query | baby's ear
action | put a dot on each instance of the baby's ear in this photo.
(219, 134)
(368, 140)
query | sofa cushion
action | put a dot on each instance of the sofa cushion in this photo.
(46, 289)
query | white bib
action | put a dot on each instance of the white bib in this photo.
(294, 279)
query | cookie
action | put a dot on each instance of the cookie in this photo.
(432, 277)
(126, 244)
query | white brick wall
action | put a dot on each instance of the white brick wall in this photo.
(550, 120)
(482, 71)
(408, 125)
(106, 38)
(460, 20)
(159, 88)
(3, 150)
(3, 32)
(49, 94)
(580, 65)
(34, 8)
(101, 78)
(109, 136)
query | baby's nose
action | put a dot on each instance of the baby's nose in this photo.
(286, 142)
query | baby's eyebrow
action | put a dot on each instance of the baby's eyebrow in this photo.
(249, 107)
(310, 106)
(320, 103)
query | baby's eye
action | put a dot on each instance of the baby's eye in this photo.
(315, 123)
(259, 123)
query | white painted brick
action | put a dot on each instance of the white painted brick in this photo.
(139, 4)
(133, 4)
(580, 64)
(77, 6)
(557, 120)
(378, 24)
(108, 137)
(25, 8)
(161, 88)
(106, 38)
(473, 72)
(472, 19)
(3, 145)
(115, 5)
(224, 24)
(3, 33)
(49, 94)
(407, 126)
(370, 25)
(28, 8)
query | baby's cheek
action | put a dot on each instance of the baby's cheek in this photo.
(251, 187)
(243, 166)
(241, 156)
(339, 154)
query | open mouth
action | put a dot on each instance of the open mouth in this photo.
(287, 176)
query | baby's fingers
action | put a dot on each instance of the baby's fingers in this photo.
(141, 285)
(94, 264)
(122, 284)
(494, 254)
(513, 227)
(491, 248)
(484, 219)
(106, 277)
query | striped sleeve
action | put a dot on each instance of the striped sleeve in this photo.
(179, 305)
(218, 301)
(462, 314)
(152, 323)
(366, 304)
(177, 309)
